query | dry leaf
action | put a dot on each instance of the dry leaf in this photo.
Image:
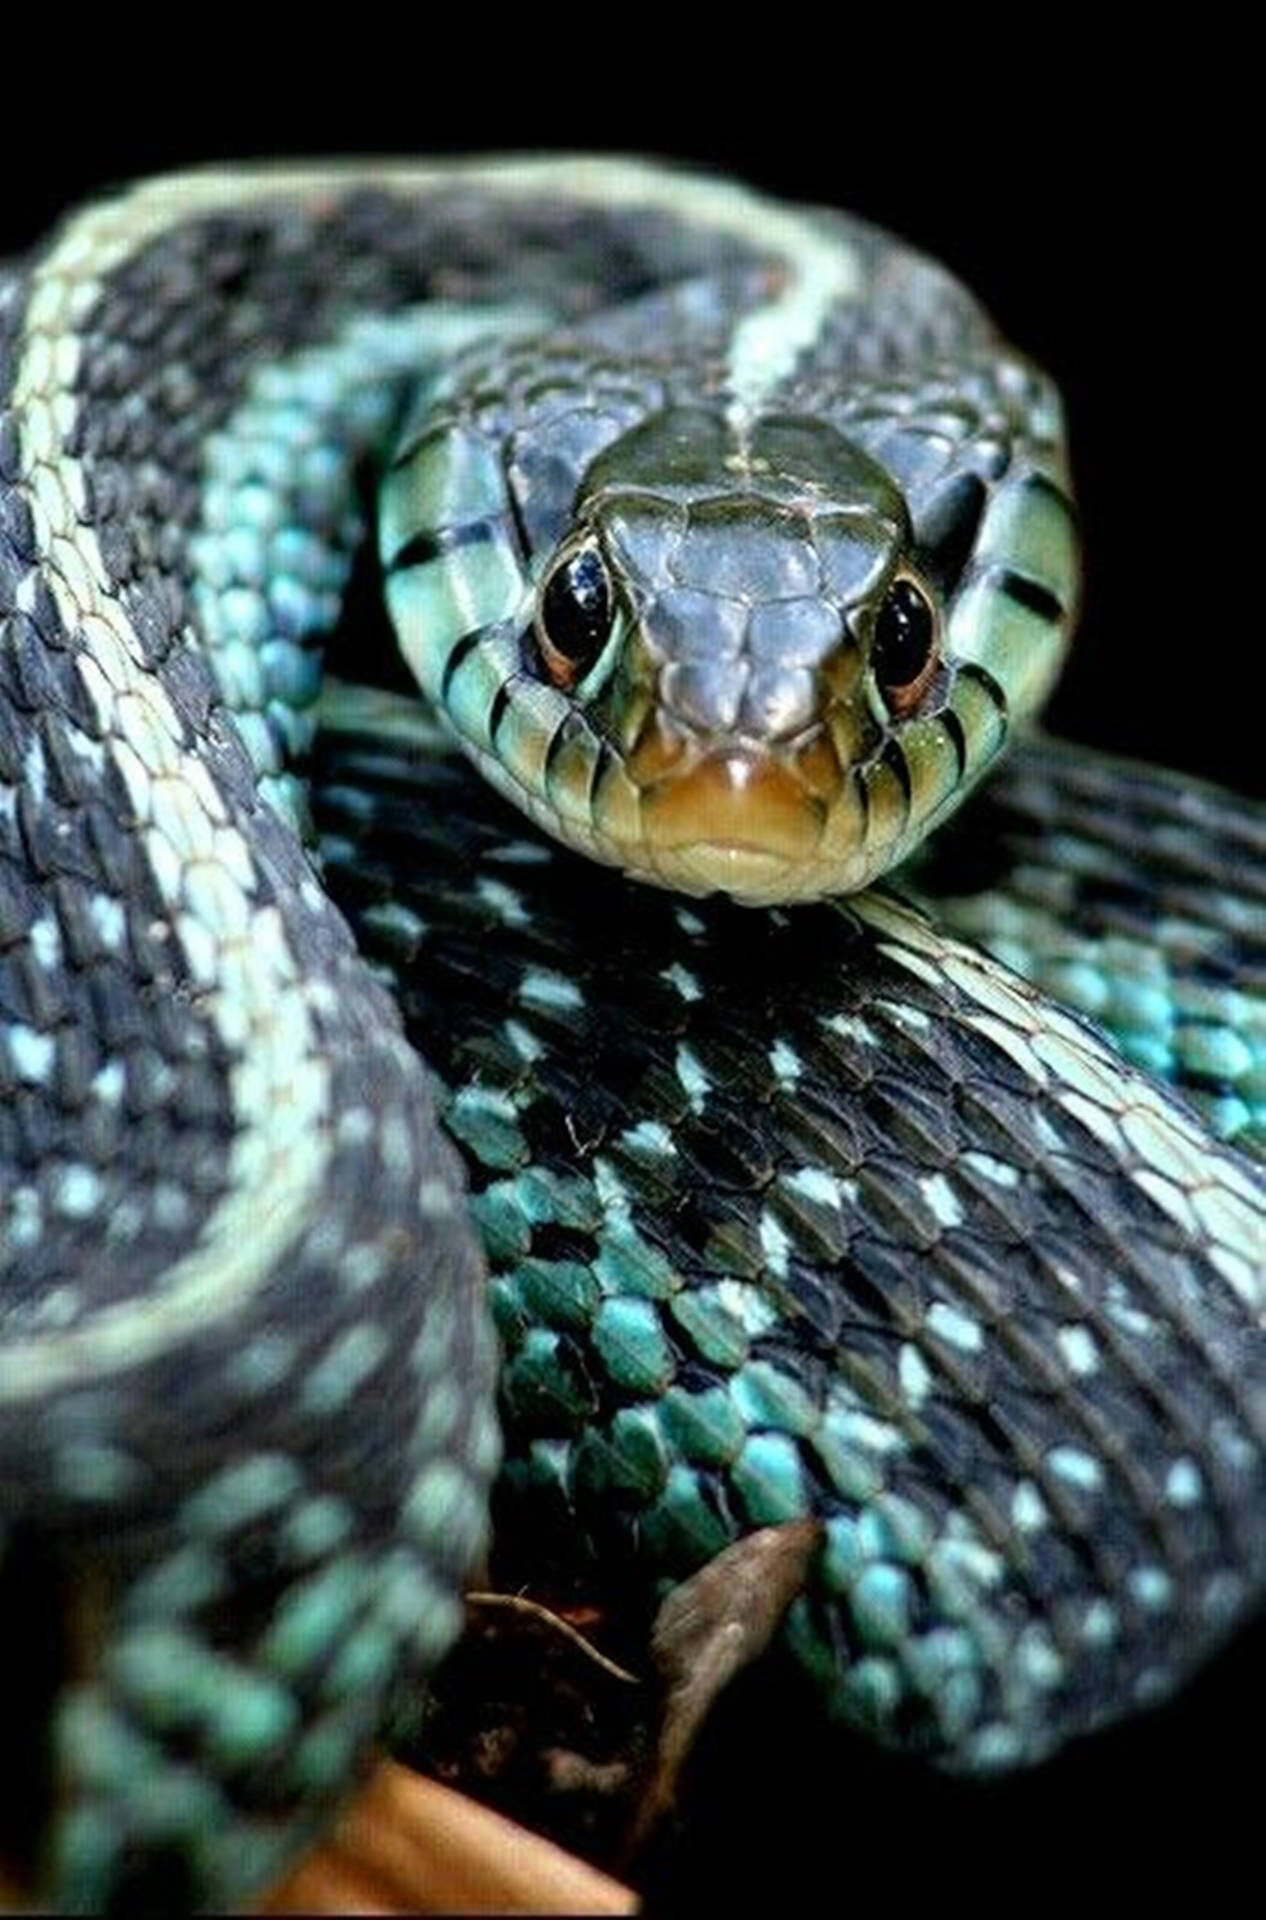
(707, 1630)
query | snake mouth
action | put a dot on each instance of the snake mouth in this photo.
(734, 822)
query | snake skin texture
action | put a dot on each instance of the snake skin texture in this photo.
(813, 1210)
(867, 1261)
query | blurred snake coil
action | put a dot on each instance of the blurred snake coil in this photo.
(733, 544)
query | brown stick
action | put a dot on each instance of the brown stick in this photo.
(408, 1845)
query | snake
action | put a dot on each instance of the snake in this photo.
(353, 1090)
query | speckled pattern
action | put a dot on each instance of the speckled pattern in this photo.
(784, 1214)
(1172, 966)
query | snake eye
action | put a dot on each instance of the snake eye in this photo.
(903, 647)
(574, 617)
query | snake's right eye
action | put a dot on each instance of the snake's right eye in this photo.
(574, 616)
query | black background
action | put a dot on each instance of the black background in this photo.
(1096, 202)
(1093, 200)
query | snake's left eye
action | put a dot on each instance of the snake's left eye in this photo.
(574, 617)
(903, 647)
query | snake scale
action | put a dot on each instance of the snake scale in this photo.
(734, 544)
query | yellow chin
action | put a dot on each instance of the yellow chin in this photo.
(735, 822)
(750, 876)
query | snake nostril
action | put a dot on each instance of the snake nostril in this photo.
(818, 766)
(779, 702)
(662, 748)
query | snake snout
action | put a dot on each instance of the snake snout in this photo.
(735, 797)
(740, 756)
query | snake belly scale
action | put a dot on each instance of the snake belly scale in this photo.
(732, 543)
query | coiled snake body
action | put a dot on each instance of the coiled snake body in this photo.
(733, 543)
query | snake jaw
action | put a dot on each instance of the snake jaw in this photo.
(730, 805)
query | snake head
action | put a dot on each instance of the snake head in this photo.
(727, 654)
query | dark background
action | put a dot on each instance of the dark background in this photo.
(1096, 203)
(1093, 200)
